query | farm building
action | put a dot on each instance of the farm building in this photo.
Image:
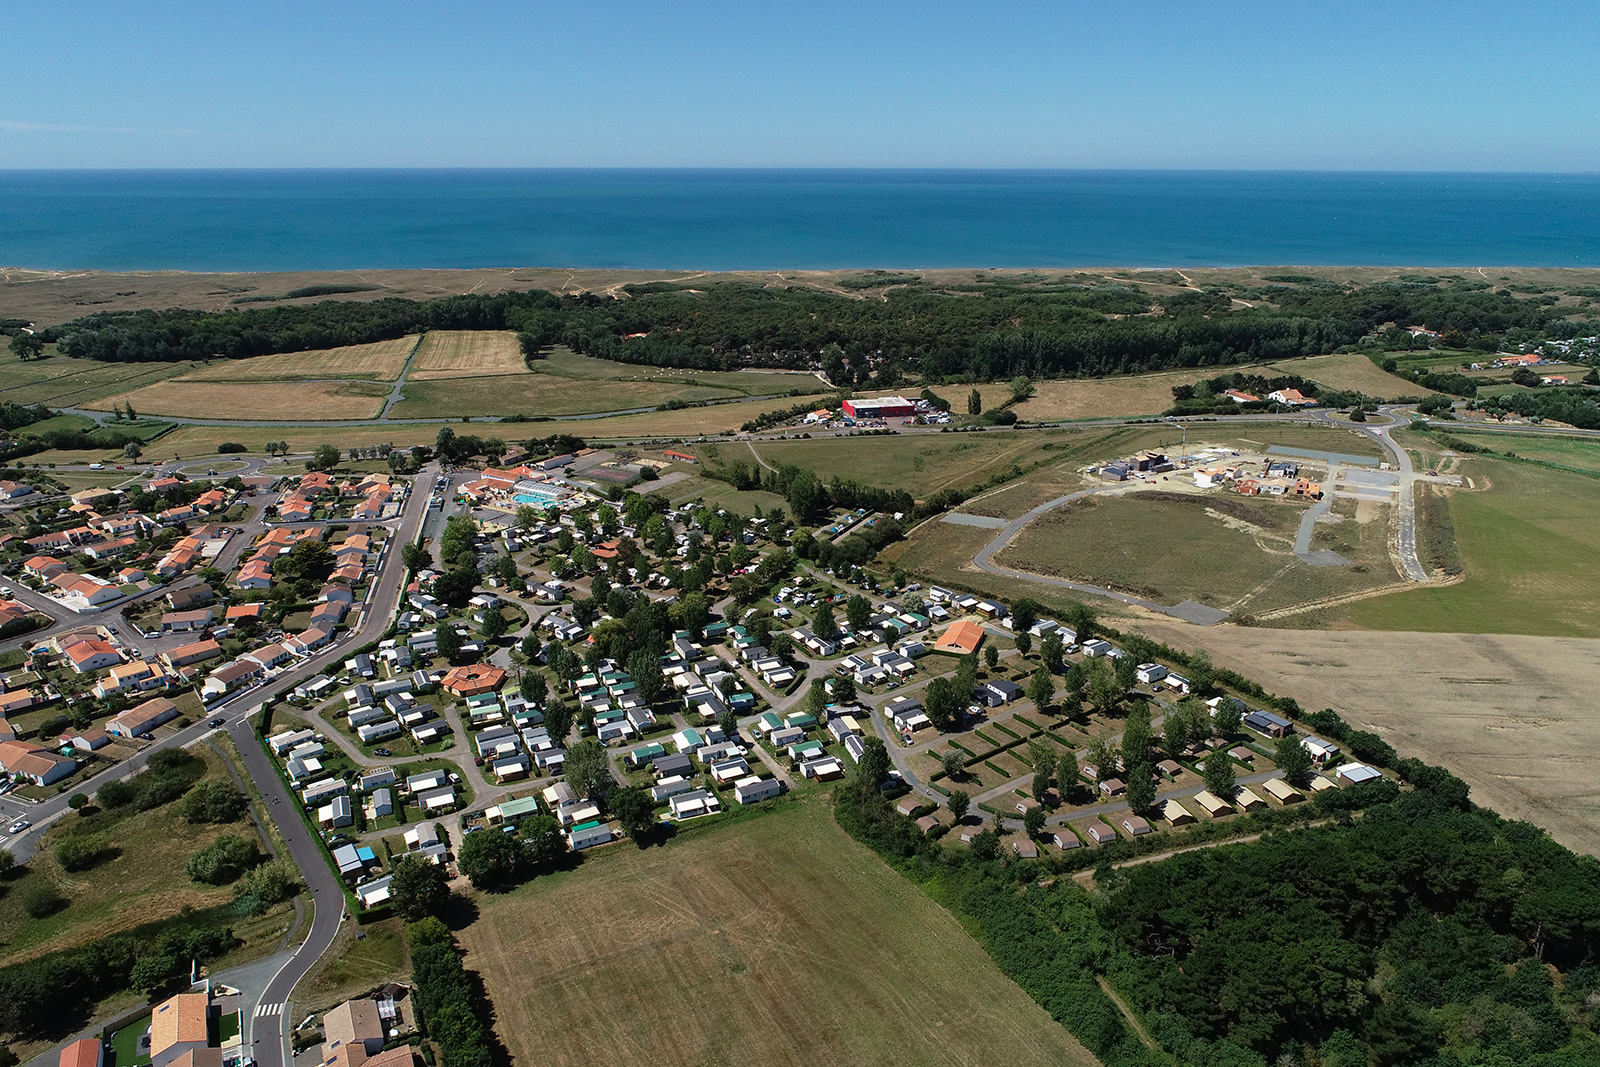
(882, 407)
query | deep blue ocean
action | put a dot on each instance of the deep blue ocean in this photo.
(796, 219)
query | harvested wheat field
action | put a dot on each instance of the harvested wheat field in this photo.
(1349, 370)
(1513, 715)
(380, 361)
(279, 401)
(774, 940)
(467, 354)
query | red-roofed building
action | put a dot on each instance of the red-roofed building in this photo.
(473, 679)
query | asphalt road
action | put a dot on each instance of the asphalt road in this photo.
(266, 1033)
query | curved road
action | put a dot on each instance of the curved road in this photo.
(1188, 611)
(267, 1034)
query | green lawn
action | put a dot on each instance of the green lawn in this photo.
(125, 1045)
(1565, 451)
(1527, 544)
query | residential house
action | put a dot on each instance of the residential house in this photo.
(27, 760)
(196, 652)
(178, 1025)
(143, 718)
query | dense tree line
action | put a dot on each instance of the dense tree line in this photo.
(1576, 406)
(972, 332)
(1422, 924)
(16, 416)
(450, 999)
(50, 997)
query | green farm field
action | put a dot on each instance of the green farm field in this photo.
(773, 940)
(62, 382)
(1546, 448)
(1523, 536)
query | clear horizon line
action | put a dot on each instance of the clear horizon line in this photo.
(777, 169)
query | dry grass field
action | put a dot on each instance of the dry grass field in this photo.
(540, 394)
(467, 354)
(777, 940)
(1512, 715)
(1350, 370)
(685, 422)
(380, 361)
(280, 401)
(1088, 398)
(1226, 551)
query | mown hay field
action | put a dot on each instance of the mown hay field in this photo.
(775, 940)
(280, 401)
(467, 354)
(63, 382)
(380, 361)
(1511, 714)
(539, 394)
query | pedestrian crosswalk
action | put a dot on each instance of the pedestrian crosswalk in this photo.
(269, 1009)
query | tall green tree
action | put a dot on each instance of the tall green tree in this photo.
(858, 612)
(1219, 775)
(588, 771)
(635, 810)
(974, 402)
(418, 888)
(492, 862)
(1067, 774)
(1042, 688)
(1293, 760)
(1141, 787)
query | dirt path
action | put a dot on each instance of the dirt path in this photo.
(1127, 1013)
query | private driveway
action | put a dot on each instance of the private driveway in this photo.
(1188, 610)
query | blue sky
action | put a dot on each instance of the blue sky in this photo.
(1290, 84)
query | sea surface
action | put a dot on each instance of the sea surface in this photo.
(269, 220)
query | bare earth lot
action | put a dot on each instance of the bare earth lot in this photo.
(777, 940)
(1512, 715)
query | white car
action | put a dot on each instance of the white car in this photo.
(19, 826)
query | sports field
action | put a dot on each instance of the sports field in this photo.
(380, 361)
(775, 940)
(1525, 536)
(269, 401)
(1512, 715)
(466, 354)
